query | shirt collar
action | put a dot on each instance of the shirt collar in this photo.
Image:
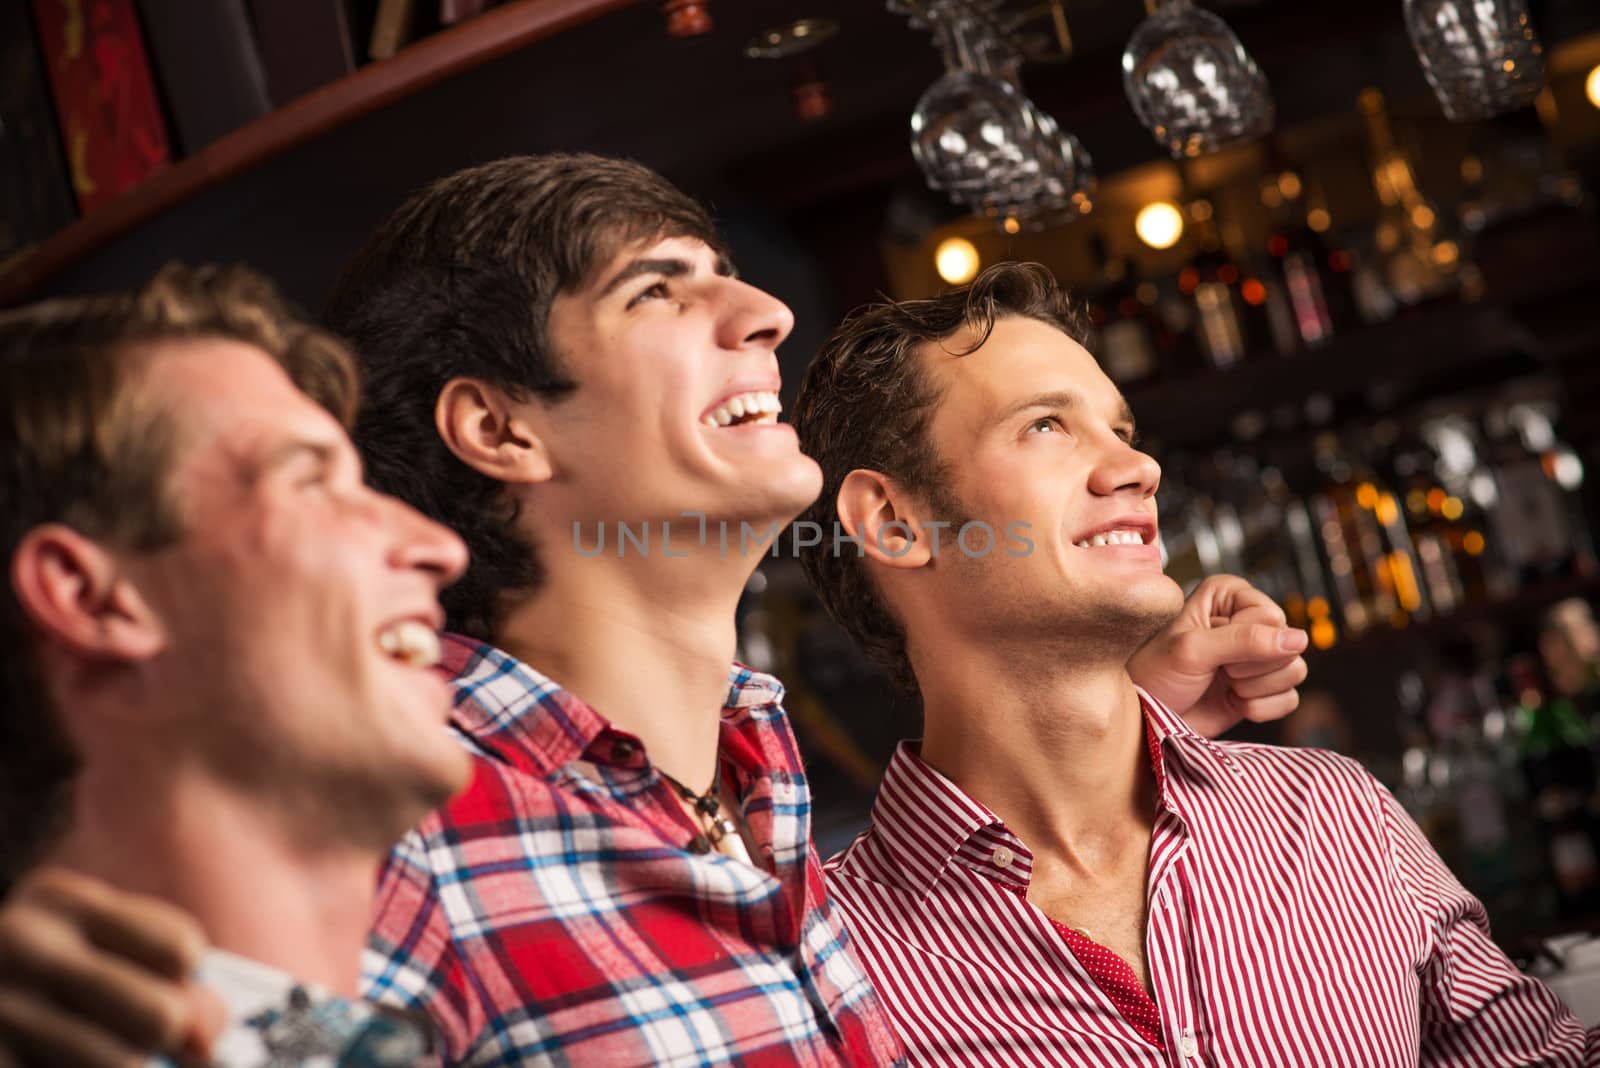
(925, 821)
(509, 709)
(1172, 734)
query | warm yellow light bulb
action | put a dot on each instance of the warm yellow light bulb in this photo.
(1592, 87)
(956, 260)
(1159, 225)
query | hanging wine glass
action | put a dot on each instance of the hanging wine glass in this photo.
(977, 136)
(969, 127)
(1191, 82)
(966, 128)
(1057, 183)
(1482, 58)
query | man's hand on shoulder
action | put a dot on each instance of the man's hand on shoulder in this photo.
(92, 977)
(1229, 655)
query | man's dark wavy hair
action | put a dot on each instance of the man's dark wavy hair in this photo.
(459, 282)
(866, 401)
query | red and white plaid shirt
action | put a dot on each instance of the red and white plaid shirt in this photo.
(1297, 916)
(551, 914)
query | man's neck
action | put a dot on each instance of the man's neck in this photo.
(646, 642)
(1057, 751)
(223, 858)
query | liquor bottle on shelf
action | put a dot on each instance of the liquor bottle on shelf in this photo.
(1417, 788)
(1451, 498)
(1477, 781)
(1559, 767)
(1414, 263)
(1312, 294)
(1569, 652)
(1211, 281)
(1395, 562)
(1125, 332)
(1371, 588)
(1440, 544)
(1537, 517)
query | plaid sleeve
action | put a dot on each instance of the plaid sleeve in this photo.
(411, 960)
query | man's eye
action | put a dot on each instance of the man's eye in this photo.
(655, 292)
(1131, 437)
(1048, 423)
(312, 478)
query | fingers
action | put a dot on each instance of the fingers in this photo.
(146, 931)
(1265, 679)
(90, 973)
(209, 1016)
(40, 1033)
(1230, 599)
(1241, 643)
(1266, 709)
(1257, 607)
(46, 950)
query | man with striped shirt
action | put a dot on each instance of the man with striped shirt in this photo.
(1062, 872)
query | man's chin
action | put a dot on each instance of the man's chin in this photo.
(1137, 614)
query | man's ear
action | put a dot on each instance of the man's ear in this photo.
(876, 511)
(75, 592)
(491, 433)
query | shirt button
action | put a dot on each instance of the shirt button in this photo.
(1003, 857)
(1189, 1047)
(622, 750)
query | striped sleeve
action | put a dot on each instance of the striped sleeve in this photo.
(1478, 1008)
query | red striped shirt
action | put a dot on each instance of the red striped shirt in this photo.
(1296, 916)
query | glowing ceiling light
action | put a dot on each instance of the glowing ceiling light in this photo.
(1159, 225)
(1592, 86)
(956, 260)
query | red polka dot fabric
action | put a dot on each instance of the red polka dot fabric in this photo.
(1116, 980)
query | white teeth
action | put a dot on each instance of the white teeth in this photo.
(1112, 537)
(763, 406)
(410, 641)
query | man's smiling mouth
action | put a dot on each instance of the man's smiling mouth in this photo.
(761, 406)
(1112, 537)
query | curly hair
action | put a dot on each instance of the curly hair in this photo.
(866, 401)
(82, 445)
(459, 282)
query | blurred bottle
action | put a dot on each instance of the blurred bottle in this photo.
(1211, 281)
(1372, 584)
(1312, 302)
(1413, 262)
(1442, 477)
(1536, 514)
(1569, 651)
(1476, 782)
(1126, 330)
(1557, 761)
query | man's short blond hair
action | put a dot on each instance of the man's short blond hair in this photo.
(82, 445)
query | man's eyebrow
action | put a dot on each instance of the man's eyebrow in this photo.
(672, 267)
(1125, 415)
(324, 452)
(1061, 399)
